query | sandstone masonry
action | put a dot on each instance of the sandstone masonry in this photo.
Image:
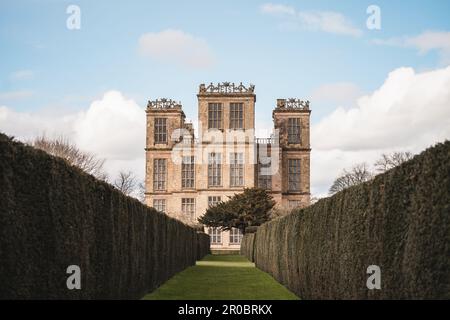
(185, 174)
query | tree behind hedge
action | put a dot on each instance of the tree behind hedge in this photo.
(249, 208)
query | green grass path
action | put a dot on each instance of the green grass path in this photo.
(224, 277)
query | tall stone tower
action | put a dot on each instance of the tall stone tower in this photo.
(164, 118)
(291, 118)
(226, 107)
(226, 116)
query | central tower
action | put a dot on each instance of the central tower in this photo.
(226, 107)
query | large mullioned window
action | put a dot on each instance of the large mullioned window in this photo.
(264, 180)
(294, 174)
(159, 174)
(236, 169)
(188, 207)
(188, 172)
(235, 236)
(160, 130)
(213, 200)
(159, 204)
(216, 235)
(236, 116)
(214, 169)
(215, 116)
(294, 130)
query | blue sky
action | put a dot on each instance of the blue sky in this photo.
(70, 67)
(317, 50)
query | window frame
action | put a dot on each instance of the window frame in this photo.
(162, 203)
(215, 115)
(237, 169)
(160, 130)
(188, 207)
(214, 200)
(236, 116)
(215, 235)
(159, 174)
(264, 180)
(188, 172)
(214, 169)
(236, 236)
(294, 175)
(294, 130)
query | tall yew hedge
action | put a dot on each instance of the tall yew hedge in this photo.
(53, 215)
(399, 221)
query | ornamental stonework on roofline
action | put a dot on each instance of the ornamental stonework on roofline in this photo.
(292, 104)
(226, 88)
(163, 103)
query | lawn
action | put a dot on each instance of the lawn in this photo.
(222, 277)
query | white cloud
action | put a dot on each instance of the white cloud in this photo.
(410, 111)
(178, 47)
(277, 9)
(113, 127)
(15, 95)
(22, 75)
(326, 21)
(424, 43)
(340, 93)
(24, 125)
(326, 165)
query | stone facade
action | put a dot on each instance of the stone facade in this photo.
(226, 115)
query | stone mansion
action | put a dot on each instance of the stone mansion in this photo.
(186, 173)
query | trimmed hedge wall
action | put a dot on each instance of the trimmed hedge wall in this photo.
(399, 221)
(248, 245)
(53, 215)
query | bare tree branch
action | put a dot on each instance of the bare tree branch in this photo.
(389, 161)
(63, 148)
(141, 191)
(358, 174)
(126, 182)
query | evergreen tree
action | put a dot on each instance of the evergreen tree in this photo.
(250, 208)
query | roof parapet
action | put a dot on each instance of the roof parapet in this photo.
(163, 103)
(226, 88)
(292, 104)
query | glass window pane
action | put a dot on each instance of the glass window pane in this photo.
(188, 172)
(160, 133)
(236, 116)
(214, 169)
(294, 130)
(215, 116)
(159, 174)
(294, 174)
(236, 169)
